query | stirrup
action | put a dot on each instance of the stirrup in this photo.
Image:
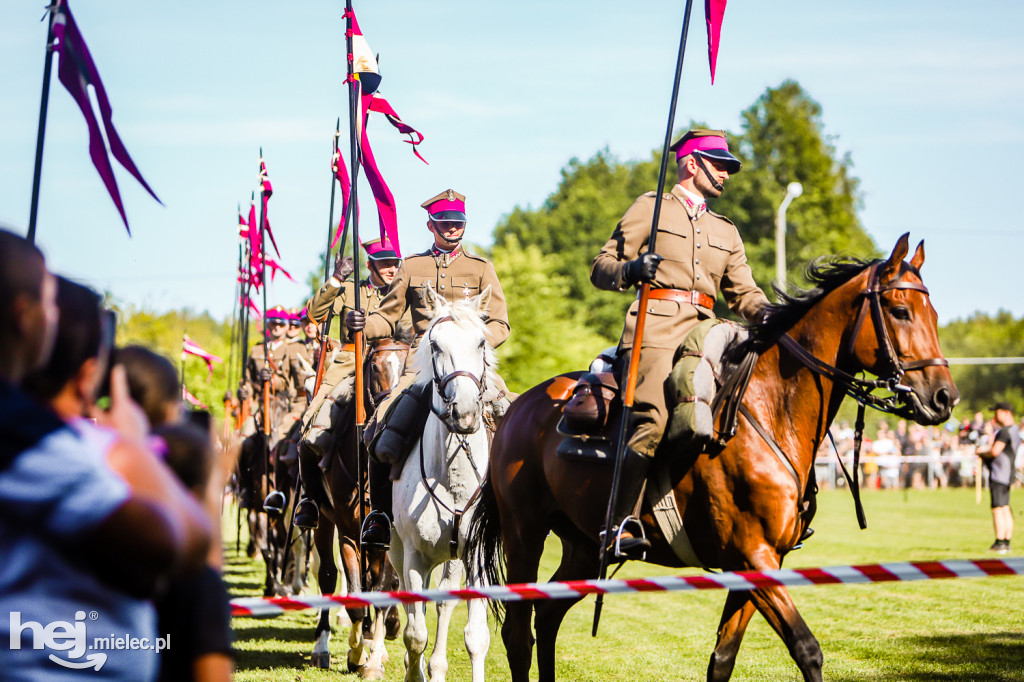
(634, 546)
(376, 530)
(274, 504)
(307, 514)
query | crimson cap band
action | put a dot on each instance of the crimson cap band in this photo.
(710, 144)
(381, 250)
(448, 205)
(278, 314)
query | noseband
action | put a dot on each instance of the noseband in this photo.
(862, 390)
(441, 382)
(395, 346)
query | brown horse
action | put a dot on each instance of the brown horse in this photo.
(741, 506)
(339, 511)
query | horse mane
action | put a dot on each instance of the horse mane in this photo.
(825, 275)
(404, 334)
(464, 314)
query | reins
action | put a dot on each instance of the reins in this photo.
(441, 385)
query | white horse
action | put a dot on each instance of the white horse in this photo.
(441, 476)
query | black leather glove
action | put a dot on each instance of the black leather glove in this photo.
(355, 320)
(266, 374)
(244, 393)
(641, 269)
(343, 268)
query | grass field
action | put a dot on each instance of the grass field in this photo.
(969, 629)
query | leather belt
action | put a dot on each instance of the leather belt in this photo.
(683, 296)
(348, 347)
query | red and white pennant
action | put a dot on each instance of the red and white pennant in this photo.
(739, 580)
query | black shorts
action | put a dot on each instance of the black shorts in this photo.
(1000, 494)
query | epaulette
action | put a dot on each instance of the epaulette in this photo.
(428, 252)
(722, 217)
(666, 196)
(467, 254)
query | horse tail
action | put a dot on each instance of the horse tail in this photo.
(484, 555)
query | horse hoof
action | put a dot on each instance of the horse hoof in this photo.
(374, 673)
(322, 661)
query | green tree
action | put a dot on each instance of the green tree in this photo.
(783, 141)
(983, 335)
(548, 332)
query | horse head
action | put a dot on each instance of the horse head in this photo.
(385, 362)
(459, 360)
(895, 337)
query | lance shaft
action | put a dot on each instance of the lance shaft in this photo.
(41, 131)
(355, 138)
(641, 319)
(335, 158)
(266, 330)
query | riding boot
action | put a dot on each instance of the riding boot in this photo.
(377, 526)
(307, 512)
(634, 470)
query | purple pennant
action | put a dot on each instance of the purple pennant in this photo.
(77, 71)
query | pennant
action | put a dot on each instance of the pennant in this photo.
(190, 347)
(255, 250)
(341, 175)
(191, 399)
(714, 10)
(267, 191)
(364, 64)
(77, 71)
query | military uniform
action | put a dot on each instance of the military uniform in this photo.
(457, 275)
(286, 379)
(701, 254)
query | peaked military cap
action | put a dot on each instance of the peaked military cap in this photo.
(381, 250)
(710, 144)
(278, 314)
(448, 205)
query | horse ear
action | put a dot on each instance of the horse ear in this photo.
(892, 266)
(430, 296)
(918, 260)
(483, 300)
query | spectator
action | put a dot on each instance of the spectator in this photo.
(65, 517)
(999, 459)
(153, 383)
(195, 611)
(885, 448)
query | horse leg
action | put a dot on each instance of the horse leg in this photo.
(777, 607)
(451, 578)
(476, 635)
(735, 617)
(327, 578)
(415, 572)
(579, 560)
(522, 551)
(357, 653)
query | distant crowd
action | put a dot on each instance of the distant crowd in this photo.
(914, 456)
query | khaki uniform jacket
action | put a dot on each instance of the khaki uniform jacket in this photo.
(288, 372)
(342, 298)
(704, 254)
(454, 276)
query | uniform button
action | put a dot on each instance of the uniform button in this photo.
(698, 246)
(697, 261)
(698, 276)
(698, 230)
(442, 274)
(442, 287)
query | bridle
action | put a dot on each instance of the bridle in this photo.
(441, 383)
(862, 390)
(396, 346)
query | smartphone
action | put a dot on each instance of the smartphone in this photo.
(108, 328)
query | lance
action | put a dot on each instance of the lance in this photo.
(266, 331)
(243, 410)
(355, 138)
(236, 330)
(325, 332)
(641, 319)
(41, 131)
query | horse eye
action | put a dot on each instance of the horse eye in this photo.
(901, 313)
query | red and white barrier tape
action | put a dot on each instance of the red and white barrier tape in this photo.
(740, 580)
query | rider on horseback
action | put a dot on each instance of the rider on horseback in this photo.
(284, 372)
(383, 260)
(454, 274)
(703, 254)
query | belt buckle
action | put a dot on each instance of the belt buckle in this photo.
(694, 297)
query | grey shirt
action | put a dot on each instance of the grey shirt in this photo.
(1001, 468)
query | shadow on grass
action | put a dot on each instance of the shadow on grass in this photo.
(987, 657)
(271, 630)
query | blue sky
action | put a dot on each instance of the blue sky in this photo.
(926, 97)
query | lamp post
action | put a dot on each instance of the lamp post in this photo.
(793, 190)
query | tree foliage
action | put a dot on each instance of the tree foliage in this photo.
(989, 336)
